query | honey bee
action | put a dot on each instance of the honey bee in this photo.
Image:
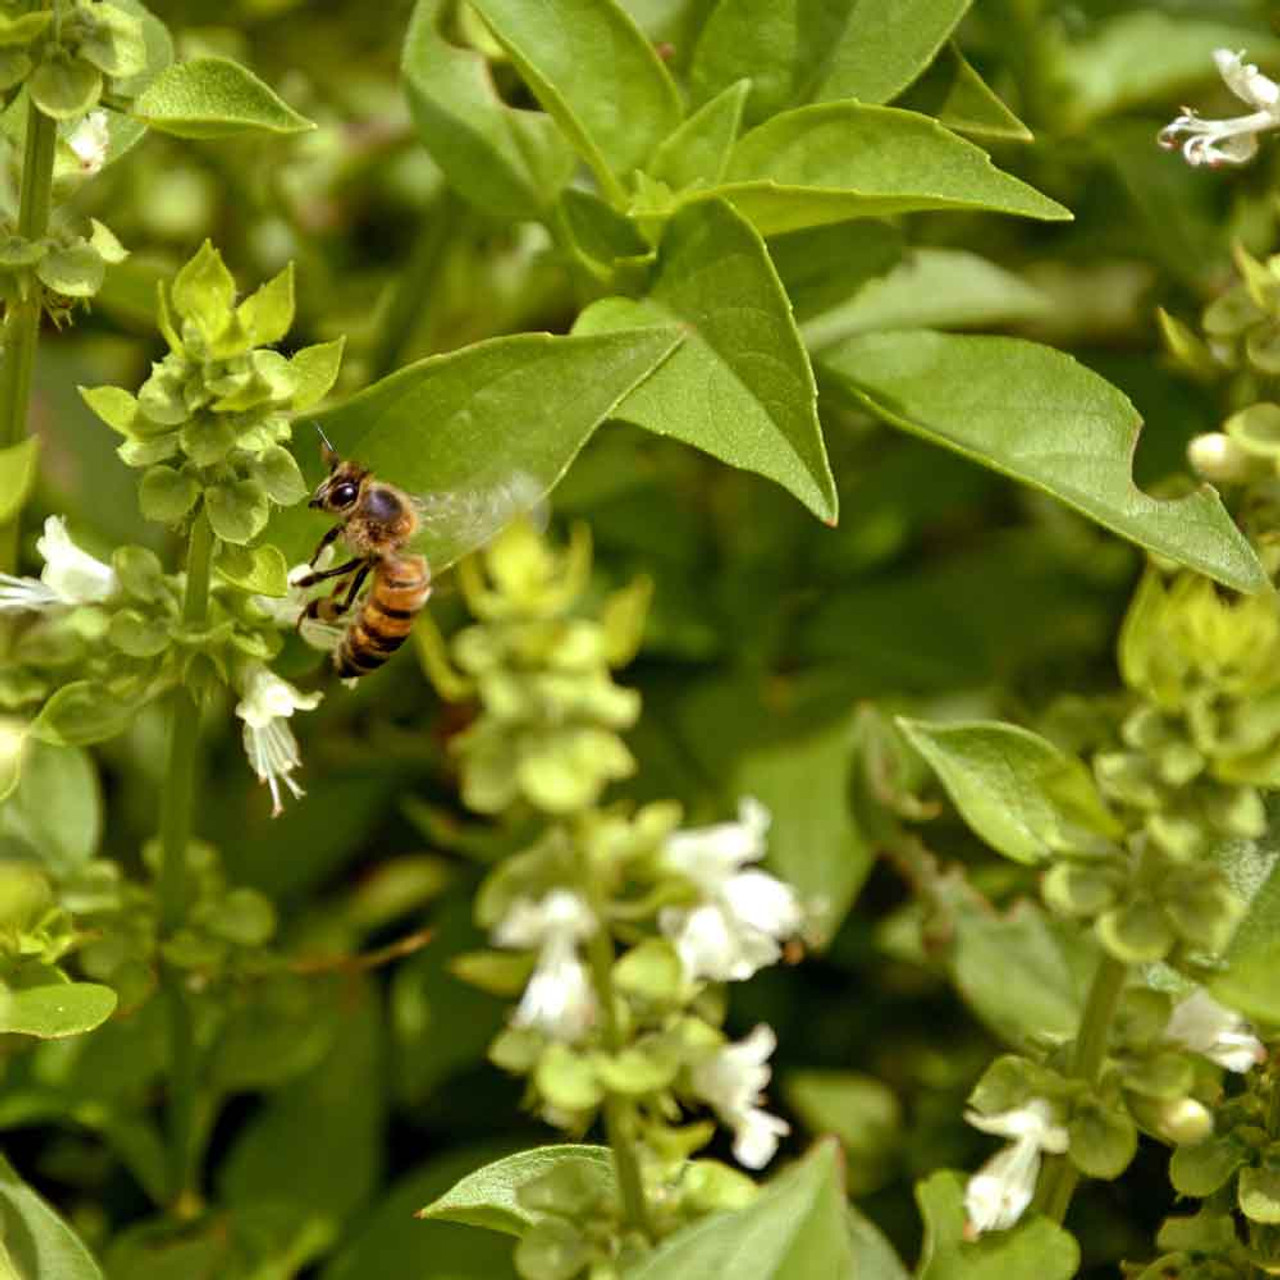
(378, 521)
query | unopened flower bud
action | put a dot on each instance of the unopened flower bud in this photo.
(1217, 457)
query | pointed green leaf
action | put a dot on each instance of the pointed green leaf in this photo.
(843, 160)
(794, 1230)
(267, 313)
(316, 369)
(506, 161)
(37, 1243)
(263, 571)
(885, 45)
(957, 96)
(76, 270)
(166, 494)
(489, 1197)
(1035, 1247)
(1249, 983)
(1022, 795)
(214, 98)
(697, 152)
(933, 288)
(873, 1255)
(56, 808)
(81, 713)
(494, 426)
(58, 1010)
(1035, 414)
(740, 387)
(590, 67)
(19, 466)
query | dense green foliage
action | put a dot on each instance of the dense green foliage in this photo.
(843, 417)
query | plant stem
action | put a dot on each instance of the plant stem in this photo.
(416, 286)
(22, 317)
(177, 805)
(619, 1119)
(1058, 1182)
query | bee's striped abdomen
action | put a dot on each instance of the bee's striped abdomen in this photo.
(401, 585)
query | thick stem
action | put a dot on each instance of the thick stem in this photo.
(22, 317)
(1058, 1181)
(619, 1116)
(177, 805)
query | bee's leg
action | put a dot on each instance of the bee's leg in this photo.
(356, 583)
(310, 579)
(324, 542)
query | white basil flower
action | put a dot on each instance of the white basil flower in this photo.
(1234, 140)
(69, 577)
(1199, 1023)
(732, 1081)
(89, 142)
(736, 928)
(265, 705)
(285, 610)
(559, 1000)
(999, 1193)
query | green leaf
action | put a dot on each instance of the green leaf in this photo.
(934, 288)
(1249, 983)
(1145, 56)
(316, 370)
(590, 67)
(36, 1241)
(263, 571)
(697, 152)
(65, 88)
(238, 510)
(794, 1230)
(81, 713)
(494, 426)
(166, 495)
(885, 45)
(1035, 1247)
(57, 806)
(813, 842)
(267, 313)
(740, 387)
(508, 162)
(277, 472)
(1019, 793)
(214, 98)
(599, 235)
(54, 1011)
(873, 1255)
(821, 267)
(489, 1197)
(116, 44)
(114, 405)
(842, 160)
(19, 466)
(312, 1156)
(76, 270)
(956, 95)
(1036, 415)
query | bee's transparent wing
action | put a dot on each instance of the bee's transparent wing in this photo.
(455, 522)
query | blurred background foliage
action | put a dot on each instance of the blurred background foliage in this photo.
(775, 646)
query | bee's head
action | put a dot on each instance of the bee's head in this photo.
(339, 492)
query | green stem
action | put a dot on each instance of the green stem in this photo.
(22, 317)
(619, 1115)
(177, 806)
(417, 285)
(1058, 1182)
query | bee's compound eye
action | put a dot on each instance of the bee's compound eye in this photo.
(344, 495)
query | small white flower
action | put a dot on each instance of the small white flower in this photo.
(732, 1081)
(1201, 1024)
(1235, 140)
(743, 916)
(89, 141)
(69, 577)
(559, 999)
(999, 1193)
(265, 706)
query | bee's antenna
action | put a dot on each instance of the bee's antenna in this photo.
(327, 451)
